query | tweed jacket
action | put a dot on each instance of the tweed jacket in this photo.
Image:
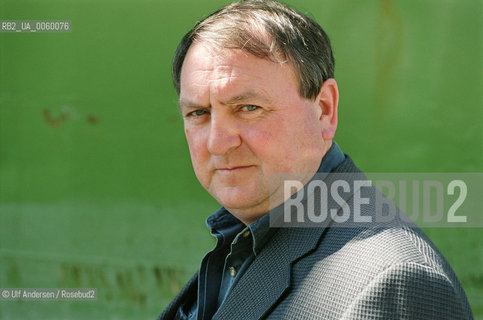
(376, 271)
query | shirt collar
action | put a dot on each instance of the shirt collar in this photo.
(331, 160)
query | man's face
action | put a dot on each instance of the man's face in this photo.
(244, 121)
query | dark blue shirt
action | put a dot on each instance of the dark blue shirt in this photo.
(236, 247)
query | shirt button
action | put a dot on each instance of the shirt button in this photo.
(233, 271)
(246, 234)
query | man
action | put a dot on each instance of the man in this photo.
(258, 99)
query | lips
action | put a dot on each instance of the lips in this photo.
(233, 169)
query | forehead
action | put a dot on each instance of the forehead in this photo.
(209, 72)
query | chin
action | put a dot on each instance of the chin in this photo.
(236, 204)
(236, 201)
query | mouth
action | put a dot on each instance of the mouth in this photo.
(233, 169)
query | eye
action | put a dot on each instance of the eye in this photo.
(250, 107)
(197, 113)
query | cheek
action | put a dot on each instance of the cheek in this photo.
(259, 138)
(196, 145)
(286, 143)
(270, 144)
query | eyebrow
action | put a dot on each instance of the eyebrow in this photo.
(250, 94)
(186, 104)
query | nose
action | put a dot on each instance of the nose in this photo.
(223, 136)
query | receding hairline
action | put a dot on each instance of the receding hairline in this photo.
(268, 30)
(244, 93)
(215, 47)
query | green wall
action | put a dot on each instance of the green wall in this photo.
(96, 184)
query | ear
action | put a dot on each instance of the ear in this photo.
(328, 100)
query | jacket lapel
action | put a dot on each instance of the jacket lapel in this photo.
(269, 275)
(188, 293)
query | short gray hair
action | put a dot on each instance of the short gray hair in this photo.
(268, 30)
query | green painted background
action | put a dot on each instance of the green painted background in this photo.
(96, 185)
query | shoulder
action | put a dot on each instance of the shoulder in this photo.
(409, 291)
(380, 272)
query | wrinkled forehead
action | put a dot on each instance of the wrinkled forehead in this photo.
(215, 71)
(205, 55)
(204, 59)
